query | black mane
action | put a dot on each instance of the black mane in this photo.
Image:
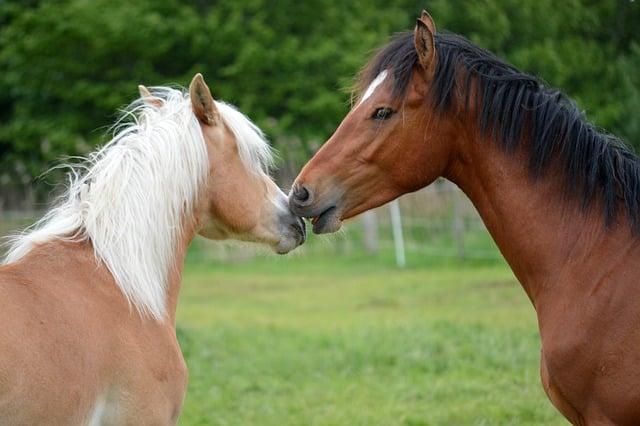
(596, 165)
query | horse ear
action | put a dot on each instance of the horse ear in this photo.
(423, 39)
(148, 98)
(202, 102)
(428, 21)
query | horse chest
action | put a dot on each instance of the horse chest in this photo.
(589, 358)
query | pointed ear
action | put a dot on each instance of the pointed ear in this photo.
(428, 21)
(148, 98)
(423, 40)
(202, 102)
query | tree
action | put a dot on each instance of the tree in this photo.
(68, 65)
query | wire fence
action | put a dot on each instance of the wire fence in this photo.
(436, 222)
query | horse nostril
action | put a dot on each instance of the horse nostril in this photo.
(301, 194)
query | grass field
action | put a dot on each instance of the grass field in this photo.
(351, 340)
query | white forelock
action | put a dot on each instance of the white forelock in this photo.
(131, 197)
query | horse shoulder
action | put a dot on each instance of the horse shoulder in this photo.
(589, 328)
(86, 347)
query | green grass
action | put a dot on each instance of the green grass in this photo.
(351, 340)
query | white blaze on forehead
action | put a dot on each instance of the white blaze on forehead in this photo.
(373, 86)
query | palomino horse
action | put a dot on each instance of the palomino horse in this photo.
(561, 199)
(88, 296)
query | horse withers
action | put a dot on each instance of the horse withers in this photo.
(88, 295)
(560, 198)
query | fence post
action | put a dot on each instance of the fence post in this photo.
(398, 240)
(457, 222)
(370, 228)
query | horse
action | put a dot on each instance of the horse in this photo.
(560, 198)
(88, 295)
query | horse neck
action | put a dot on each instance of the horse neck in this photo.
(535, 227)
(174, 283)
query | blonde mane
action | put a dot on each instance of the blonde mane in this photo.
(130, 198)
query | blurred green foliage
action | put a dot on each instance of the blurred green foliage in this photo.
(66, 66)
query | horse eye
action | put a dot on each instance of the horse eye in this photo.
(382, 114)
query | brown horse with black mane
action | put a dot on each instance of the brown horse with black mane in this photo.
(560, 198)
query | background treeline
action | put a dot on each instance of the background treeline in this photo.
(67, 66)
